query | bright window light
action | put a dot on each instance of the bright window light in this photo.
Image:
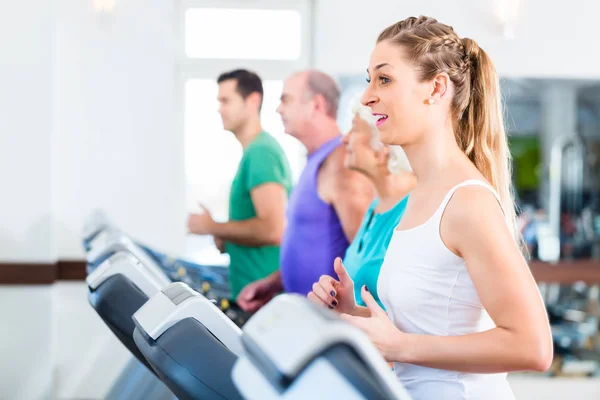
(251, 34)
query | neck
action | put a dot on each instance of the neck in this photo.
(318, 136)
(434, 155)
(248, 132)
(393, 188)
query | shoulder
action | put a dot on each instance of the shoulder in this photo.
(346, 181)
(472, 214)
(472, 202)
(265, 145)
(334, 162)
(334, 165)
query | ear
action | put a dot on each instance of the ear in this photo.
(254, 99)
(439, 87)
(320, 103)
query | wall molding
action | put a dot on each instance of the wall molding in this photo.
(71, 270)
(41, 273)
(565, 272)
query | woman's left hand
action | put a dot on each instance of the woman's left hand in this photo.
(379, 328)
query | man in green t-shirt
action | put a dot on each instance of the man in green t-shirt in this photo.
(259, 191)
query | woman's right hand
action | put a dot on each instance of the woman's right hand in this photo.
(338, 295)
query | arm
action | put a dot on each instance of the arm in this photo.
(474, 227)
(351, 195)
(266, 228)
(275, 282)
(258, 293)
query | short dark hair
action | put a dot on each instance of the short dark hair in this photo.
(247, 82)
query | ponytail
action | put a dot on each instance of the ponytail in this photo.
(480, 132)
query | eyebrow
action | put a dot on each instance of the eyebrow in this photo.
(379, 66)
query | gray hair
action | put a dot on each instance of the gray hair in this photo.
(397, 161)
(319, 83)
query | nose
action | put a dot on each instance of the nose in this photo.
(369, 98)
(278, 109)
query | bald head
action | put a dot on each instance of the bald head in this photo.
(318, 83)
(308, 108)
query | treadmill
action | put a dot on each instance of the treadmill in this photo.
(116, 290)
(296, 350)
(95, 223)
(191, 344)
(111, 241)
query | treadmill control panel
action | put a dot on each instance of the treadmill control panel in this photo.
(178, 292)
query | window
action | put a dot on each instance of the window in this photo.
(269, 37)
(212, 154)
(225, 33)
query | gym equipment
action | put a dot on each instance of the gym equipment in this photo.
(97, 222)
(136, 382)
(296, 350)
(212, 281)
(574, 315)
(189, 342)
(114, 241)
(118, 288)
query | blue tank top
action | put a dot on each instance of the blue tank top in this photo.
(313, 236)
(365, 255)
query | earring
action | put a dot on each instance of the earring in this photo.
(430, 101)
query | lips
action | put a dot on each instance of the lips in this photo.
(381, 118)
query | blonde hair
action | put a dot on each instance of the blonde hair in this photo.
(477, 108)
(397, 160)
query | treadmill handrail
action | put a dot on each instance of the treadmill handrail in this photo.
(118, 241)
(101, 239)
(145, 278)
(94, 223)
(160, 313)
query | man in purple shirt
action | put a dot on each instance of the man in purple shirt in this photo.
(327, 204)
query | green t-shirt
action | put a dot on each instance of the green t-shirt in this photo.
(264, 161)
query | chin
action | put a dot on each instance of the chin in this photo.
(385, 137)
(388, 137)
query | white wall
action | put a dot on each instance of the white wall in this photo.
(87, 119)
(556, 40)
(117, 142)
(26, 343)
(88, 356)
(26, 131)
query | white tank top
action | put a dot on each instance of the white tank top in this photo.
(427, 290)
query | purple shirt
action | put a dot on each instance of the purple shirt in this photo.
(314, 236)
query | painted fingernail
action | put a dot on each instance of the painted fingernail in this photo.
(332, 293)
(334, 303)
(366, 288)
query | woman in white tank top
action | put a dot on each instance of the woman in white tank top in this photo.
(462, 306)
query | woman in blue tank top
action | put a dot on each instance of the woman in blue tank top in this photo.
(388, 169)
